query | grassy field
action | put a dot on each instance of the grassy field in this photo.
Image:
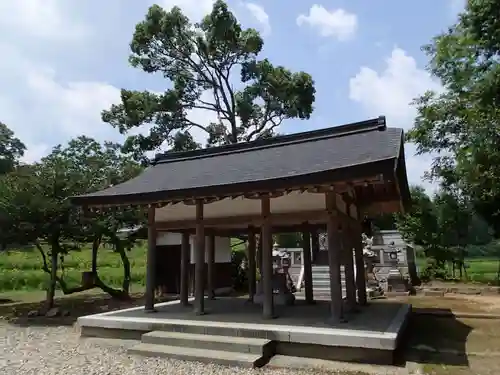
(480, 270)
(22, 271)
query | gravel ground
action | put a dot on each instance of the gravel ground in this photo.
(59, 350)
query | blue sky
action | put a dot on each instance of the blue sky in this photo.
(63, 61)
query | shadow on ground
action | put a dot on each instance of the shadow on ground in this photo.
(437, 337)
(71, 308)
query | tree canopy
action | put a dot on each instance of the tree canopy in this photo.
(34, 207)
(461, 124)
(200, 62)
(11, 149)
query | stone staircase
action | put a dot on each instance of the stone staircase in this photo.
(223, 350)
(321, 282)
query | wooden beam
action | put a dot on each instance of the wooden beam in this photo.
(211, 266)
(252, 265)
(185, 261)
(267, 259)
(151, 261)
(307, 257)
(336, 304)
(243, 231)
(199, 291)
(282, 219)
(338, 186)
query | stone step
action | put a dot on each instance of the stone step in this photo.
(319, 292)
(323, 271)
(324, 283)
(211, 342)
(325, 268)
(326, 276)
(220, 357)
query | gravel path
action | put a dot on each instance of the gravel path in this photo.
(59, 350)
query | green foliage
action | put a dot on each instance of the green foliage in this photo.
(11, 149)
(238, 273)
(36, 207)
(289, 240)
(433, 270)
(461, 124)
(199, 59)
(446, 229)
(21, 270)
(420, 225)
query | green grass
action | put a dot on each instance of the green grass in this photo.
(22, 270)
(481, 270)
(237, 244)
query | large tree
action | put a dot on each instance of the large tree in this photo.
(201, 63)
(11, 149)
(461, 124)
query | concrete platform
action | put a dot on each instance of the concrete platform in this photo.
(370, 336)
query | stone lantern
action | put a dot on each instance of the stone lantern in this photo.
(395, 280)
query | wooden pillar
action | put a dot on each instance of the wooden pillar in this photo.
(314, 245)
(199, 278)
(350, 282)
(360, 265)
(211, 267)
(336, 305)
(267, 259)
(185, 261)
(259, 253)
(307, 262)
(251, 269)
(151, 262)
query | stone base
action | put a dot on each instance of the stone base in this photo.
(280, 299)
(371, 336)
(397, 294)
(396, 282)
(374, 292)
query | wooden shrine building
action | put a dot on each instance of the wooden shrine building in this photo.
(329, 178)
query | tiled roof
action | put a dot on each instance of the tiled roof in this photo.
(282, 157)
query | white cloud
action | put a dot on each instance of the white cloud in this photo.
(44, 19)
(37, 106)
(390, 92)
(194, 9)
(40, 107)
(261, 16)
(337, 23)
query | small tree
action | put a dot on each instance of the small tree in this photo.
(40, 206)
(420, 226)
(11, 149)
(200, 59)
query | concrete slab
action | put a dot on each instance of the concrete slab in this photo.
(198, 355)
(377, 326)
(209, 342)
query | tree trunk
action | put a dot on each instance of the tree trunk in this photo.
(114, 293)
(126, 267)
(498, 273)
(95, 248)
(51, 291)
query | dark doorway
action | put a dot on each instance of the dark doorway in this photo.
(168, 268)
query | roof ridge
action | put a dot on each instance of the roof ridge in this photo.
(378, 123)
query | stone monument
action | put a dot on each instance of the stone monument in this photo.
(373, 287)
(395, 280)
(283, 287)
